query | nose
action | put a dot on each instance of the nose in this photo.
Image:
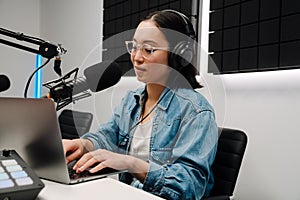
(138, 56)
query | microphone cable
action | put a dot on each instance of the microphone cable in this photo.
(126, 137)
(31, 76)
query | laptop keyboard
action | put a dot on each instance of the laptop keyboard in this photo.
(73, 175)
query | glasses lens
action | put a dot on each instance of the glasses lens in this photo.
(130, 47)
(145, 49)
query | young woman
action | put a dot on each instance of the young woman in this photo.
(163, 134)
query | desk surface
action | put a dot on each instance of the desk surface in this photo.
(106, 188)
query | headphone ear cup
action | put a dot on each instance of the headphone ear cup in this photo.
(182, 55)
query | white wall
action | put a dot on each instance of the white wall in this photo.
(266, 106)
(77, 25)
(24, 17)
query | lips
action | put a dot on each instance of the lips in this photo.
(139, 68)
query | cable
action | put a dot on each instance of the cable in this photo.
(29, 80)
(126, 137)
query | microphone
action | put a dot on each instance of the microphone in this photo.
(96, 78)
(102, 75)
(4, 83)
(57, 63)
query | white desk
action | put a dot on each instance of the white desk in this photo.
(106, 189)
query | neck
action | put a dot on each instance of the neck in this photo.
(154, 91)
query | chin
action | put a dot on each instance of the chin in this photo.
(140, 79)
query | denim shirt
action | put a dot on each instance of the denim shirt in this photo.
(182, 145)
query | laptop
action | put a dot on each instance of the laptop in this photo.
(30, 126)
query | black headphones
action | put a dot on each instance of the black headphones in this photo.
(183, 52)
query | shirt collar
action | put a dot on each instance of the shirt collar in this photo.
(139, 94)
(164, 99)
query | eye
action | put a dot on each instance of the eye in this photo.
(148, 49)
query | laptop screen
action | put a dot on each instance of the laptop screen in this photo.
(30, 127)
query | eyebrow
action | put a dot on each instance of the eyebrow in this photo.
(148, 41)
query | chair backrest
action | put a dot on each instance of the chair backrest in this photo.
(74, 123)
(231, 148)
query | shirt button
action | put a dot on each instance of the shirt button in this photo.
(150, 188)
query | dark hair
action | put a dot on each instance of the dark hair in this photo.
(172, 21)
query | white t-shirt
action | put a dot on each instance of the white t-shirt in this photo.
(140, 142)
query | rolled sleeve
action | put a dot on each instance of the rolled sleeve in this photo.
(93, 139)
(155, 178)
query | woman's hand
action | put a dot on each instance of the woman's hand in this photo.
(104, 159)
(74, 149)
(101, 159)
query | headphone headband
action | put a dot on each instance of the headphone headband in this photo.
(188, 24)
(184, 51)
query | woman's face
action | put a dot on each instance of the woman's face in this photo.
(154, 67)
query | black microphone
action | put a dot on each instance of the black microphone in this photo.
(4, 83)
(96, 78)
(57, 63)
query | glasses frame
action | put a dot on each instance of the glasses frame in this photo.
(141, 46)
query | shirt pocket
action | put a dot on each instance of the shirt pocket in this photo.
(161, 155)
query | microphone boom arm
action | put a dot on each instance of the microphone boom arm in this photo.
(46, 49)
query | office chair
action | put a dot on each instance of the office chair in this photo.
(231, 148)
(74, 123)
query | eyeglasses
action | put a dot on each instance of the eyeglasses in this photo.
(146, 49)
